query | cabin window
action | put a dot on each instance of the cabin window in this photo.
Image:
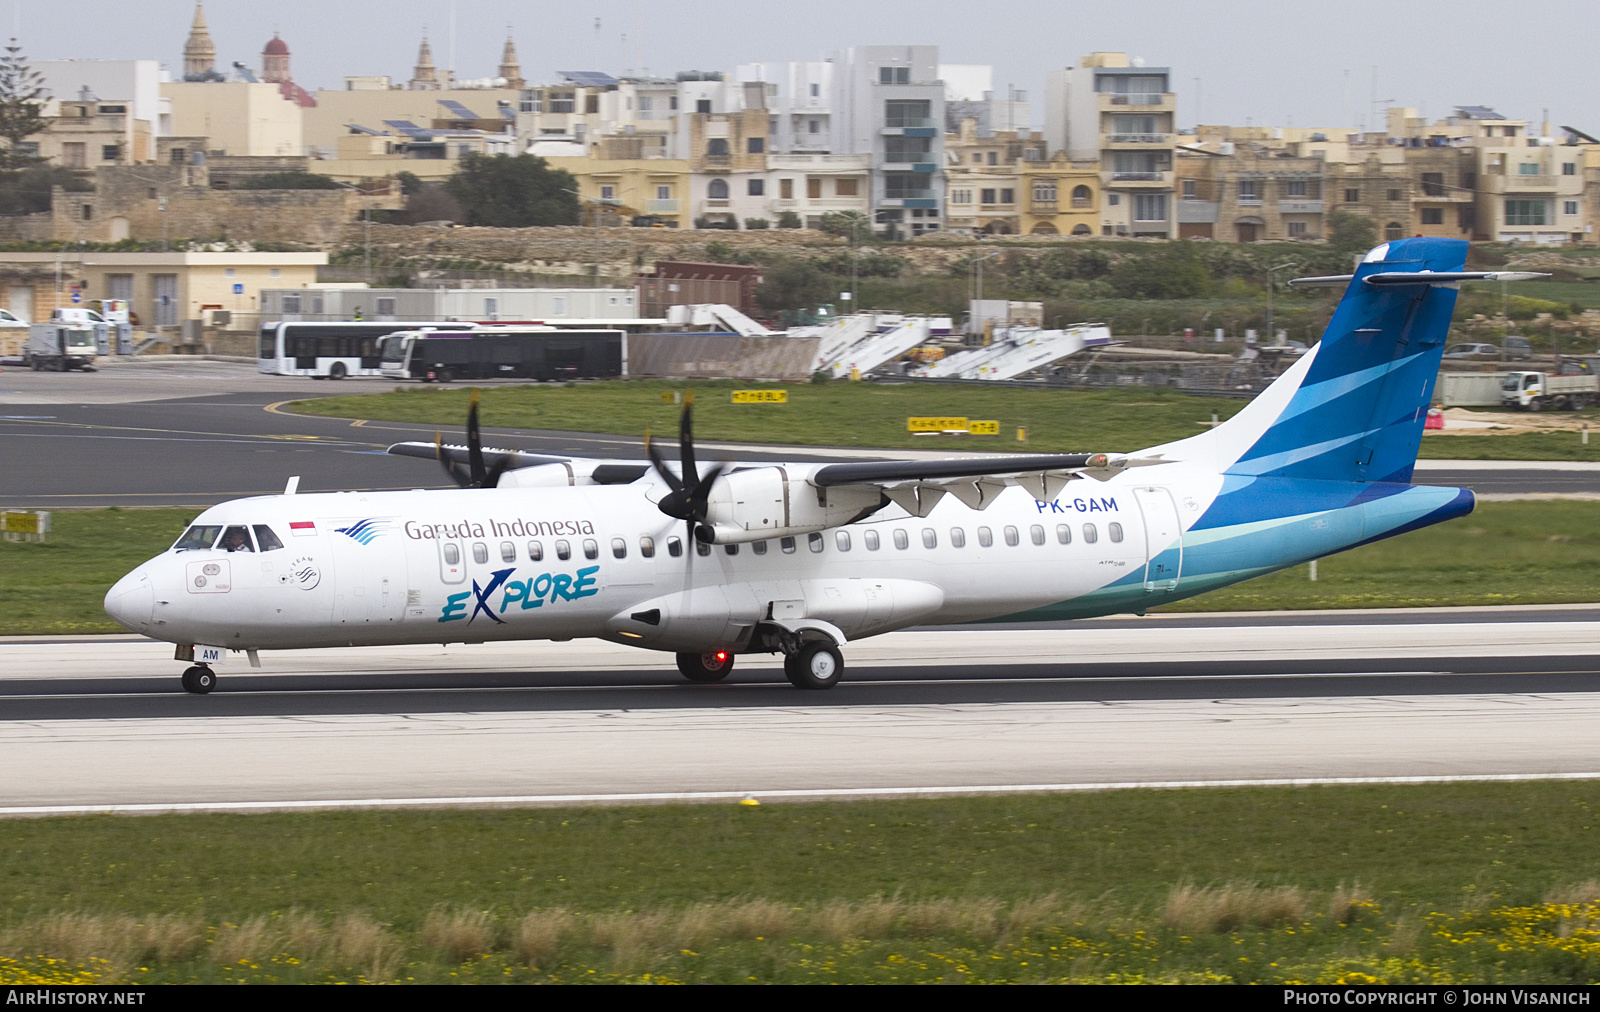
(930, 538)
(480, 552)
(619, 548)
(787, 544)
(958, 538)
(760, 548)
(1064, 534)
(452, 555)
(535, 551)
(236, 539)
(1037, 534)
(1091, 534)
(901, 541)
(647, 548)
(702, 548)
(267, 540)
(508, 552)
(563, 550)
(674, 547)
(591, 548)
(197, 537)
(1115, 530)
(871, 538)
(985, 537)
(731, 549)
(814, 541)
(1012, 538)
(841, 540)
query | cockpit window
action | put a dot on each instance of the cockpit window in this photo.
(266, 539)
(198, 536)
(237, 539)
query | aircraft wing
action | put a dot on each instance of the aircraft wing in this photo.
(917, 485)
(491, 457)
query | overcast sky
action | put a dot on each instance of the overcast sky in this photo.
(1269, 63)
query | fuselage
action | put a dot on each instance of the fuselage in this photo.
(473, 565)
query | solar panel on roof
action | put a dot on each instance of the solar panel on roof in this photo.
(456, 109)
(359, 129)
(588, 78)
(408, 128)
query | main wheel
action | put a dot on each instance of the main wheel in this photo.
(337, 371)
(446, 376)
(1537, 404)
(199, 680)
(818, 665)
(708, 667)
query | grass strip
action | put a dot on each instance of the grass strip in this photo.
(1504, 553)
(874, 415)
(1391, 883)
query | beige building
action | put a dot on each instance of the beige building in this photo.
(239, 118)
(1007, 184)
(379, 108)
(164, 289)
(86, 134)
(612, 192)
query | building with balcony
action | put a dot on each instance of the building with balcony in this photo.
(888, 102)
(1236, 191)
(812, 185)
(1108, 111)
(1006, 184)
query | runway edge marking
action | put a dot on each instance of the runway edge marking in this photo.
(808, 794)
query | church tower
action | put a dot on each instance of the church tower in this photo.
(509, 68)
(423, 76)
(199, 54)
(275, 61)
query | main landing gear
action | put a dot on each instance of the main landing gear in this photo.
(708, 667)
(816, 665)
(199, 680)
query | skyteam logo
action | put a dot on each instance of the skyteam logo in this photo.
(365, 531)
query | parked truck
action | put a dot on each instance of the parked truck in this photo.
(59, 347)
(1535, 391)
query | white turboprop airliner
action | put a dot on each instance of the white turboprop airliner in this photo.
(803, 558)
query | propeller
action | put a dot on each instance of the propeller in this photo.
(476, 474)
(691, 491)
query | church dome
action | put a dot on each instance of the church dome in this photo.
(277, 47)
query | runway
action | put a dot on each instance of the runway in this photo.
(195, 433)
(102, 723)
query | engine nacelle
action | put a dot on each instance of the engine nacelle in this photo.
(775, 502)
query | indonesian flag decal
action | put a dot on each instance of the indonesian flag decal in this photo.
(302, 528)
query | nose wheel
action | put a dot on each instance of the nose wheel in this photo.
(199, 680)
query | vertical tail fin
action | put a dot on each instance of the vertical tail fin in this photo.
(1353, 408)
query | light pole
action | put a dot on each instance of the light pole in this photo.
(1272, 335)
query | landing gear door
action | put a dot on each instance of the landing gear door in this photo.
(452, 563)
(1163, 539)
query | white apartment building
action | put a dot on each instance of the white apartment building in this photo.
(1120, 115)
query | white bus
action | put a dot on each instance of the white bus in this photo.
(328, 350)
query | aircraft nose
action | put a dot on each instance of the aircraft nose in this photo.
(131, 600)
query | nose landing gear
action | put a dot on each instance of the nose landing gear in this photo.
(199, 680)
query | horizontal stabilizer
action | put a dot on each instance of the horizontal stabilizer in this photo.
(1418, 278)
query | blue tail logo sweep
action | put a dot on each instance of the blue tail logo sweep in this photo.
(1359, 412)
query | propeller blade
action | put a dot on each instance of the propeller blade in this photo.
(661, 465)
(450, 467)
(691, 473)
(479, 473)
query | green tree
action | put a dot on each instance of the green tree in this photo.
(27, 191)
(1351, 233)
(410, 183)
(514, 192)
(793, 284)
(1171, 274)
(852, 225)
(21, 105)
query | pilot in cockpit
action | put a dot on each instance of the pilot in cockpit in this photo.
(237, 539)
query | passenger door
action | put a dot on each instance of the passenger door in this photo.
(1163, 539)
